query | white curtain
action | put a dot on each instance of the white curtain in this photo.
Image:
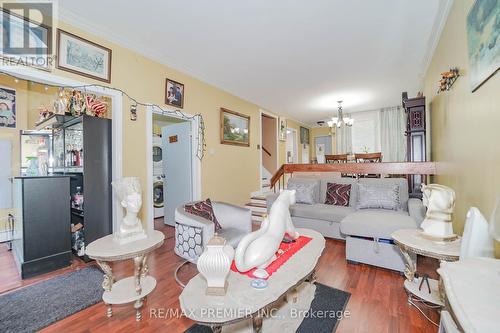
(392, 134)
(343, 135)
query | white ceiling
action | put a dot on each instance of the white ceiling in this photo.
(292, 57)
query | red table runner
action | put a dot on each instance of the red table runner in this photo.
(285, 252)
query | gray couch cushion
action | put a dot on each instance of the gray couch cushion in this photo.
(403, 187)
(353, 200)
(304, 192)
(376, 196)
(376, 223)
(297, 182)
(321, 212)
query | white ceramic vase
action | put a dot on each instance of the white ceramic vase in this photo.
(214, 265)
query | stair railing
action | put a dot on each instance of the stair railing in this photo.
(387, 168)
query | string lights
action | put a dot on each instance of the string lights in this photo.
(200, 153)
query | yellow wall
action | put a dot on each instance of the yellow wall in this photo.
(464, 125)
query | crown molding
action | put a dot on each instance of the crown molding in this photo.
(435, 36)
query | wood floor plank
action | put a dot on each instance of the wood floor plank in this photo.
(378, 301)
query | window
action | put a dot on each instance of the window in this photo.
(366, 132)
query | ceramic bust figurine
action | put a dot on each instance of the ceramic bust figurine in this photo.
(214, 264)
(440, 202)
(128, 190)
(258, 249)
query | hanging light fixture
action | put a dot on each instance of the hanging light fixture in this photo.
(340, 119)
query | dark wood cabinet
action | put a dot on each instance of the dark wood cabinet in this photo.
(416, 139)
(42, 240)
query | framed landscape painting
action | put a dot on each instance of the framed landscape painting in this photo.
(234, 128)
(81, 56)
(483, 30)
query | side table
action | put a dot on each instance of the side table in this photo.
(131, 289)
(412, 240)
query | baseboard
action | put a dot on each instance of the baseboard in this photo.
(45, 265)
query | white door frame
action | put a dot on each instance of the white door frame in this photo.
(43, 77)
(269, 114)
(296, 145)
(196, 163)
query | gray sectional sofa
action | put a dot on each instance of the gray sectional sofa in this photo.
(366, 231)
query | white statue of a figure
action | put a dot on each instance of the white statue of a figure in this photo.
(128, 190)
(440, 202)
(258, 249)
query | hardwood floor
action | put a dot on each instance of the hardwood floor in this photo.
(378, 302)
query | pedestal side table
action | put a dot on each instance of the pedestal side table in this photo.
(131, 289)
(412, 240)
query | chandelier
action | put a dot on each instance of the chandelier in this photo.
(340, 119)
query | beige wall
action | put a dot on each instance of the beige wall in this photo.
(464, 125)
(269, 141)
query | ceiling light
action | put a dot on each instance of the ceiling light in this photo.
(340, 119)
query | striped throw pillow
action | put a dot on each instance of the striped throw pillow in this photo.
(338, 194)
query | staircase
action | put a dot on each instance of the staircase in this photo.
(258, 206)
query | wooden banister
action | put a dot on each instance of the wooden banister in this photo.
(388, 168)
(266, 151)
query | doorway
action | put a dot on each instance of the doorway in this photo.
(173, 170)
(322, 147)
(269, 148)
(292, 147)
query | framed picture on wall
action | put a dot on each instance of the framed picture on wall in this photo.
(81, 56)
(7, 107)
(174, 93)
(483, 47)
(304, 135)
(234, 128)
(282, 129)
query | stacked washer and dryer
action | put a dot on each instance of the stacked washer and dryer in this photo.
(158, 176)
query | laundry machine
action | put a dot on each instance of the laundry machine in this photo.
(157, 156)
(158, 196)
(158, 177)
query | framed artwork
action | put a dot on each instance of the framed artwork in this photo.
(81, 56)
(304, 135)
(483, 30)
(282, 129)
(40, 54)
(174, 93)
(7, 107)
(234, 128)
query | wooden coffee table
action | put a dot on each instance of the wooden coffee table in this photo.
(241, 300)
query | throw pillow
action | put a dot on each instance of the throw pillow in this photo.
(379, 197)
(203, 209)
(304, 192)
(338, 194)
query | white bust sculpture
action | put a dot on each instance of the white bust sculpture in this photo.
(128, 190)
(440, 202)
(258, 248)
